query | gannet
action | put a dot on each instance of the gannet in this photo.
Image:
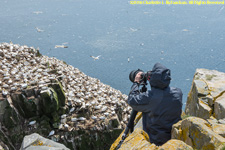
(37, 12)
(95, 58)
(61, 46)
(39, 30)
(133, 30)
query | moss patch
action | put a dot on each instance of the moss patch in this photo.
(209, 77)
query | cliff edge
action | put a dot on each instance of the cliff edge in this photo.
(46, 96)
(203, 123)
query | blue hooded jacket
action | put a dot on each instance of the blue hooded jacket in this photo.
(161, 106)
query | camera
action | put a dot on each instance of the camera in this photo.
(144, 76)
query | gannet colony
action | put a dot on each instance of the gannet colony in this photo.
(39, 88)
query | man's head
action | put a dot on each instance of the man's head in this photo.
(160, 76)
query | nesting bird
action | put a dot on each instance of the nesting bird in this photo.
(83, 93)
(51, 133)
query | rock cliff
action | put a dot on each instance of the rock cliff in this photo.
(206, 98)
(203, 125)
(46, 96)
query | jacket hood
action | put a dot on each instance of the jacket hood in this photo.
(160, 76)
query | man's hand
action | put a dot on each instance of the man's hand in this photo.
(138, 77)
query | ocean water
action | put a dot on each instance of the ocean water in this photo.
(182, 37)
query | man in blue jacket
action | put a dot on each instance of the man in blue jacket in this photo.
(161, 106)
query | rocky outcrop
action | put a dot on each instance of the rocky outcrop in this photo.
(204, 124)
(140, 140)
(46, 96)
(198, 133)
(137, 140)
(206, 97)
(175, 145)
(35, 141)
(206, 103)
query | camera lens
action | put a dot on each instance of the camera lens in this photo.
(133, 74)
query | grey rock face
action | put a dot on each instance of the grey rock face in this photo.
(206, 95)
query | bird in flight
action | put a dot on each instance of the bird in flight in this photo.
(95, 58)
(134, 30)
(39, 30)
(61, 46)
(37, 12)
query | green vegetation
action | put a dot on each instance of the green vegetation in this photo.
(184, 116)
(48, 65)
(197, 77)
(38, 54)
(209, 77)
(223, 148)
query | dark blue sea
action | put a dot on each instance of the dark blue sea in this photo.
(182, 37)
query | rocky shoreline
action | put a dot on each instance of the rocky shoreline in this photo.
(45, 95)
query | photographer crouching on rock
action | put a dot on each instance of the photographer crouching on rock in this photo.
(161, 106)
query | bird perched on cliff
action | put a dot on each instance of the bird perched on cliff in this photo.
(95, 58)
(51, 133)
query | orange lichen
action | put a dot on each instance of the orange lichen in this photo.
(40, 143)
(114, 145)
(137, 140)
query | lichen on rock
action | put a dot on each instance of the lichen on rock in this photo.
(197, 133)
(206, 97)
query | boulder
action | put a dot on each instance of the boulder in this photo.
(219, 107)
(219, 129)
(137, 140)
(60, 93)
(212, 121)
(175, 145)
(197, 133)
(206, 96)
(49, 100)
(37, 142)
(27, 107)
(11, 117)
